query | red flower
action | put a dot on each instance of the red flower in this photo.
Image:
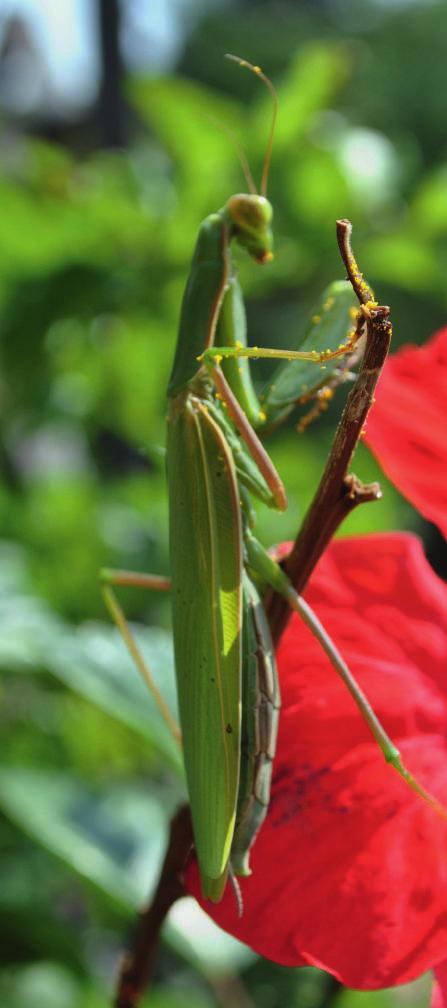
(439, 993)
(406, 429)
(350, 866)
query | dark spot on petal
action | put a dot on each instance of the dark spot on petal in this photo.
(421, 899)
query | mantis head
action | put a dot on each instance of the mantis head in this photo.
(250, 218)
(250, 215)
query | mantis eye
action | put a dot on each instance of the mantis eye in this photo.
(251, 216)
(250, 212)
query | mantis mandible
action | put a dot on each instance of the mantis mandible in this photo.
(225, 666)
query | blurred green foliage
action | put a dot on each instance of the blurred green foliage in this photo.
(94, 253)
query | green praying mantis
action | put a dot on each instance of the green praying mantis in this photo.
(228, 691)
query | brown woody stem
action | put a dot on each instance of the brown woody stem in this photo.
(338, 493)
(360, 287)
(138, 962)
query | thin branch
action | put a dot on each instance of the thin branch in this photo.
(339, 493)
(138, 963)
(360, 287)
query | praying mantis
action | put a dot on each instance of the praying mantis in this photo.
(227, 684)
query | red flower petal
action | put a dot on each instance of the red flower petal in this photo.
(406, 428)
(439, 992)
(350, 867)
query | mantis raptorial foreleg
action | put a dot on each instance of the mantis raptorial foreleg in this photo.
(251, 439)
(336, 321)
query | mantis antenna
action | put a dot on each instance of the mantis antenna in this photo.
(243, 160)
(266, 80)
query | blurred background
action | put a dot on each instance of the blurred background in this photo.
(108, 162)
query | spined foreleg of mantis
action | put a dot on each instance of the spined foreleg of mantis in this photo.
(275, 408)
(335, 320)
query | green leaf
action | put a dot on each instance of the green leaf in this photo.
(406, 260)
(412, 995)
(26, 624)
(329, 325)
(429, 209)
(42, 985)
(116, 841)
(205, 116)
(93, 660)
(313, 78)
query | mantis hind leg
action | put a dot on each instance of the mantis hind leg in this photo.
(152, 582)
(135, 579)
(271, 573)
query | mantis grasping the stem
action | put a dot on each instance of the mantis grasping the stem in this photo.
(225, 664)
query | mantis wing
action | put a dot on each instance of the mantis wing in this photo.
(206, 567)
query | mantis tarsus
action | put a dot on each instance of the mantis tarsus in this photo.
(225, 667)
